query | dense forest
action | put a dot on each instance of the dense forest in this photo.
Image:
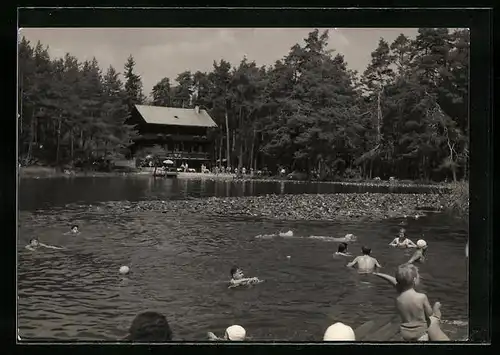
(405, 116)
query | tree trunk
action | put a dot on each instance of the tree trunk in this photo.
(233, 146)
(71, 144)
(228, 156)
(30, 145)
(379, 116)
(240, 158)
(58, 139)
(220, 151)
(252, 147)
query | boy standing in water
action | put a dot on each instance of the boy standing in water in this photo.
(365, 263)
(419, 321)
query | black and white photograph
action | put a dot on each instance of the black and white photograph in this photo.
(243, 184)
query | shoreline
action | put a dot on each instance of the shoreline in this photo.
(47, 173)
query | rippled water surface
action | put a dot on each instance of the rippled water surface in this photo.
(180, 265)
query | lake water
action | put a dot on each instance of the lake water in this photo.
(180, 264)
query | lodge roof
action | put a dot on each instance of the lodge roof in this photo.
(175, 116)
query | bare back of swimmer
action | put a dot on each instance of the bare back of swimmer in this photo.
(419, 322)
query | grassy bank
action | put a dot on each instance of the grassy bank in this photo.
(457, 198)
(37, 172)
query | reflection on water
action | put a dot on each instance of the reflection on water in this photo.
(180, 266)
(44, 193)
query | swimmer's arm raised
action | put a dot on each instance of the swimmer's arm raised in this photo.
(410, 244)
(377, 264)
(29, 247)
(394, 242)
(354, 262)
(391, 279)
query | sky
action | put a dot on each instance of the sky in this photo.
(166, 52)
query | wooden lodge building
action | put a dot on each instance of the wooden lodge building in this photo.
(182, 132)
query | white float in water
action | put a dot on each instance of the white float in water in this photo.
(124, 270)
(288, 256)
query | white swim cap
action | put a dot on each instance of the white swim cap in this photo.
(421, 243)
(339, 332)
(124, 270)
(235, 333)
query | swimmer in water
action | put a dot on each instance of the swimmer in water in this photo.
(401, 241)
(74, 230)
(35, 244)
(238, 279)
(419, 255)
(346, 239)
(342, 250)
(365, 263)
(419, 321)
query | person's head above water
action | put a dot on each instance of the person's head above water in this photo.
(402, 234)
(339, 332)
(148, 327)
(34, 242)
(421, 244)
(236, 273)
(365, 250)
(342, 248)
(74, 228)
(235, 333)
(407, 277)
(350, 237)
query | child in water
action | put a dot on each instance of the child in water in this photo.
(35, 244)
(233, 333)
(419, 255)
(74, 230)
(419, 321)
(342, 250)
(238, 279)
(401, 241)
(365, 263)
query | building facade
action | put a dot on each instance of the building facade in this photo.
(182, 133)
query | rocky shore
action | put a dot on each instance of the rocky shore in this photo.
(340, 206)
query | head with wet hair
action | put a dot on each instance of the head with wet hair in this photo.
(342, 248)
(150, 327)
(34, 242)
(407, 276)
(236, 273)
(365, 250)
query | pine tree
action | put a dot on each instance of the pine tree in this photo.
(133, 84)
(162, 93)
